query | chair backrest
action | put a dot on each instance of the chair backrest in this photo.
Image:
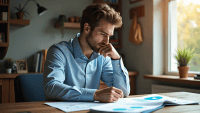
(29, 87)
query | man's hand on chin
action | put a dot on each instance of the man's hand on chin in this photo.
(107, 49)
(108, 95)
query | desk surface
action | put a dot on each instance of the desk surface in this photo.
(39, 107)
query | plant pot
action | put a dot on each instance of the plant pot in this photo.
(183, 71)
(76, 19)
(8, 70)
(71, 19)
(20, 15)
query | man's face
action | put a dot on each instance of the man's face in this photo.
(100, 35)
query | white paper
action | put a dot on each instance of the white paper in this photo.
(133, 105)
(73, 106)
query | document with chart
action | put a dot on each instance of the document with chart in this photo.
(143, 104)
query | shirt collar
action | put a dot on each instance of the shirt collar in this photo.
(78, 51)
(77, 48)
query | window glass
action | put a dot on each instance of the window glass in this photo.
(184, 30)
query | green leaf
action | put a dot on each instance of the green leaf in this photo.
(183, 56)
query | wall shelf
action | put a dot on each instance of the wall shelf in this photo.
(3, 21)
(113, 40)
(69, 25)
(19, 22)
(4, 44)
(4, 4)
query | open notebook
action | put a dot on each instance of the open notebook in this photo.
(142, 104)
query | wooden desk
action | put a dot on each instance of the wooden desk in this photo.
(7, 92)
(39, 107)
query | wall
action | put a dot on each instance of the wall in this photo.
(40, 34)
(139, 58)
(149, 57)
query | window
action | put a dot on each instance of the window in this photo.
(183, 30)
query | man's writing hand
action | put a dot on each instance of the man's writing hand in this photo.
(107, 49)
(109, 94)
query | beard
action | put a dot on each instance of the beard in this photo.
(91, 42)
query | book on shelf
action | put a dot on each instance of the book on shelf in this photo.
(39, 64)
(111, 1)
(4, 16)
(36, 61)
(39, 60)
(4, 2)
(44, 51)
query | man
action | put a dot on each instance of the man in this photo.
(73, 70)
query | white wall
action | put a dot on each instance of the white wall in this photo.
(146, 58)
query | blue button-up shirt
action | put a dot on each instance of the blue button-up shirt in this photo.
(69, 75)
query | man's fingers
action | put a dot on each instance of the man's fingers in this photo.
(102, 48)
(119, 91)
(107, 53)
(105, 50)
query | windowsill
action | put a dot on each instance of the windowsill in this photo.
(171, 78)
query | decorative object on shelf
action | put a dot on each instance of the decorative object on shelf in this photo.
(61, 20)
(14, 68)
(2, 37)
(8, 63)
(183, 57)
(76, 19)
(21, 12)
(41, 10)
(135, 33)
(21, 66)
(133, 1)
(71, 19)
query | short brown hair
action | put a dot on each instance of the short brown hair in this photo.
(95, 12)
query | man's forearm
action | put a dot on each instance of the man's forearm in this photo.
(59, 91)
(121, 77)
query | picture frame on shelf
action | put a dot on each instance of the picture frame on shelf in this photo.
(21, 66)
(133, 1)
(2, 37)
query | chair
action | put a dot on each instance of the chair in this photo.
(29, 87)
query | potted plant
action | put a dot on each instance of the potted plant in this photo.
(183, 57)
(8, 63)
(21, 12)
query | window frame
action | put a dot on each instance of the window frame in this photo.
(167, 38)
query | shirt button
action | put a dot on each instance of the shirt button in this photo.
(86, 87)
(118, 65)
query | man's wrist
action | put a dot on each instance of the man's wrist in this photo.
(94, 96)
(116, 58)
